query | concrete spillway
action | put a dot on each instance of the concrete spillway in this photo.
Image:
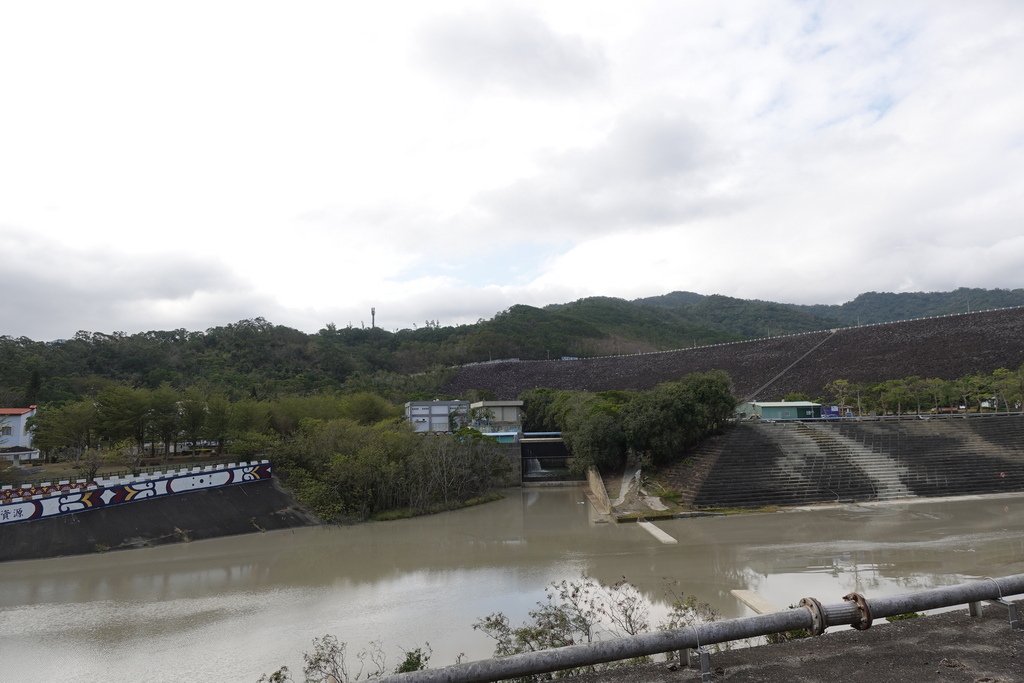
(793, 463)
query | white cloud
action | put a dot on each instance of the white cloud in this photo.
(655, 167)
(52, 291)
(509, 48)
(218, 161)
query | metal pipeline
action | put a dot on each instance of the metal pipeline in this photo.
(855, 611)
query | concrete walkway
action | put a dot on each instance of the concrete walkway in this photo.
(658, 533)
(951, 646)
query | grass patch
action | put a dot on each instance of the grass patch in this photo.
(643, 516)
(667, 495)
(741, 511)
(671, 497)
(400, 513)
(904, 616)
(786, 636)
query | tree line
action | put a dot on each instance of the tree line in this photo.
(249, 359)
(158, 420)
(657, 426)
(1000, 390)
(344, 470)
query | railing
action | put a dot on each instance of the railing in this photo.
(855, 610)
(145, 469)
(901, 417)
(119, 474)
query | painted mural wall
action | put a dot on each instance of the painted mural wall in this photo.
(35, 501)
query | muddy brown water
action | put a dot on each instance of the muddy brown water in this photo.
(233, 608)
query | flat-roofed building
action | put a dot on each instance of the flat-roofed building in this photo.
(784, 410)
(501, 420)
(438, 417)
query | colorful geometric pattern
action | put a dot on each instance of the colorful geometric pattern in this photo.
(34, 501)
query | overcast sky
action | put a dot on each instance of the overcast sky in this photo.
(190, 164)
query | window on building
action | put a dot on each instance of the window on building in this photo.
(5, 430)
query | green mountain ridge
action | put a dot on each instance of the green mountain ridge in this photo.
(259, 359)
(740, 315)
(879, 307)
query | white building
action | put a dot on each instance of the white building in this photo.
(436, 416)
(501, 420)
(15, 436)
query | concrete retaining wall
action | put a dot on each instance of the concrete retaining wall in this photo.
(202, 514)
(38, 501)
(600, 494)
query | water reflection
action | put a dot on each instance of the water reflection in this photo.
(429, 579)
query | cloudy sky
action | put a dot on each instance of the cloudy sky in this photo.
(190, 164)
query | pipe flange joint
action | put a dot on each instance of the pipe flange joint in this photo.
(863, 609)
(818, 624)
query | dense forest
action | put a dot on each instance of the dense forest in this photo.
(878, 307)
(258, 360)
(656, 426)
(344, 470)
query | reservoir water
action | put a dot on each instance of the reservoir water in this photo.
(231, 609)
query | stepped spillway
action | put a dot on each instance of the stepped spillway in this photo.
(798, 463)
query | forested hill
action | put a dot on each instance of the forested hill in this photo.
(872, 307)
(877, 307)
(259, 359)
(748, 318)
